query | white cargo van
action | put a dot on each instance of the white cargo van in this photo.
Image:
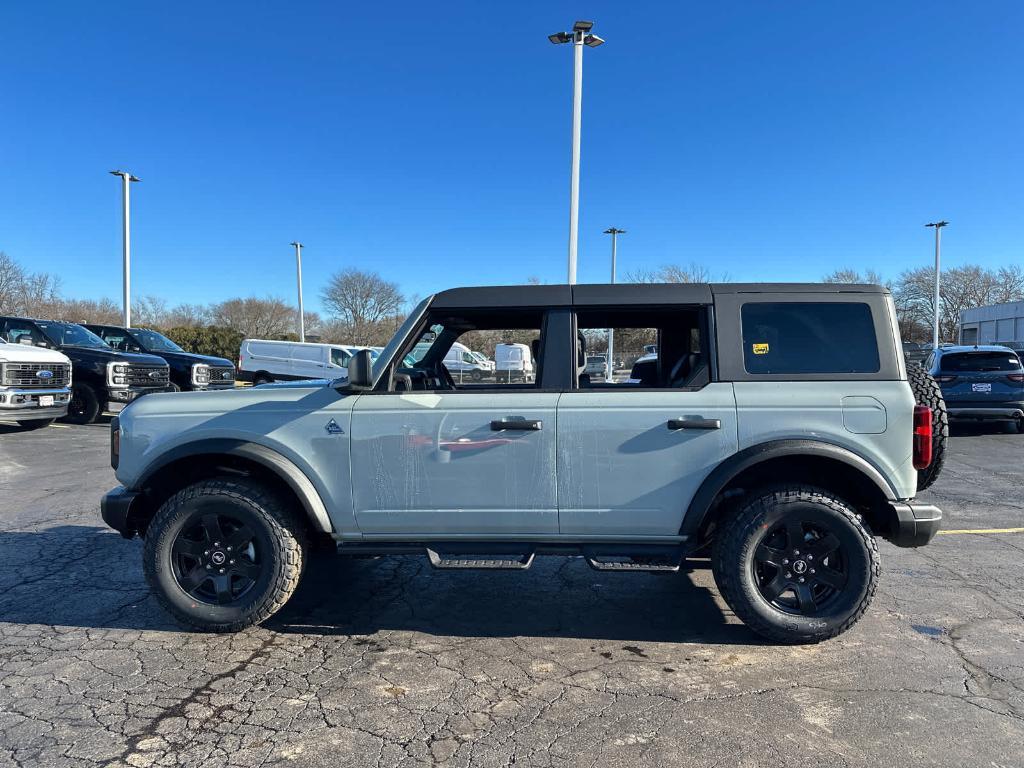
(513, 362)
(463, 364)
(261, 361)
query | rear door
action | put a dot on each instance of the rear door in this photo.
(631, 457)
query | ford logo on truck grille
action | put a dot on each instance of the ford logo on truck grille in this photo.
(155, 374)
(44, 374)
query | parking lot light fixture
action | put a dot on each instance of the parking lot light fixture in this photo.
(614, 232)
(938, 239)
(579, 36)
(126, 180)
(298, 273)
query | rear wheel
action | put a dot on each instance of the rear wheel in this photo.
(927, 392)
(261, 378)
(84, 407)
(796, 565)
(224, 554)
(35, 423)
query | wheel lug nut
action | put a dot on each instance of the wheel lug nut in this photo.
(222, 571)
(217, 544)
(207, 566)
(233, 562)
(785, 561)
(801, 579)
(796, 551)
(229, 549)
(809, 557)
(788, 574)
(812, 570)
(206, 551)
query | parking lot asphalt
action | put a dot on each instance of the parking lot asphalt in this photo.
(385, 662)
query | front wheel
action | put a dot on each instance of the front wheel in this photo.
(796, 565)
(224, 554)
(84, 407)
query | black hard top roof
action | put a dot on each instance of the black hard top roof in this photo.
(597, 294)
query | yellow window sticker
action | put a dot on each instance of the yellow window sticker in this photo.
(760, 349)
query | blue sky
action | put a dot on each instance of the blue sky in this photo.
(430, 141)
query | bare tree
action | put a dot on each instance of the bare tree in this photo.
(257, 318)
(850, 275)
(671, 273)
(11, 278)
(363, 305)
(189, 316)
(150, 312)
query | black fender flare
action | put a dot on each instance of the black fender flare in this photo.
(282, 467)
(725, 472)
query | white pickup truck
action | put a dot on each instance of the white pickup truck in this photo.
(35, 385)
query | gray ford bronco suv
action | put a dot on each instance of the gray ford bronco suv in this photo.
(776, 429)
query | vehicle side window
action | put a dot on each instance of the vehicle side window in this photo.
(809, 337)
(117, 340)
(24, 333)
(509, 338)
(340, 357)
(650, 348)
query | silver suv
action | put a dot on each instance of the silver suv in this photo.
(774, 428)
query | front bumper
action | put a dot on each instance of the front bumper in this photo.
(116, 510)
(23, 404)
(913, 524)
(121, 397)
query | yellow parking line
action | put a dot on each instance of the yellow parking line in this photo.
(986, 530)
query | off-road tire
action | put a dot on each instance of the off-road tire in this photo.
(261, 378)
(30, 424)
(732, 563)
(282, 544)
(173, 387)
(85, 399)
(927, 392)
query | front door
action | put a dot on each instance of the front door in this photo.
(454, 463)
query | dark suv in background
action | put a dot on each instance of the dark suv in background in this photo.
(188, 371)
(980, 382)
(101, 378)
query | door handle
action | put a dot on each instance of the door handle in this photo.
(526, 424)
(695, 423)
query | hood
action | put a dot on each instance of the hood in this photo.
(191, 357)
(23, 353)
(111, 356)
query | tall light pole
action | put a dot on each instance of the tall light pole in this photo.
(298, 272)
(579, 37)
(938, 239)
(126, 180)
(614, 232)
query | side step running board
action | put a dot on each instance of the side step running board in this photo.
(520, 563)
(658, 563)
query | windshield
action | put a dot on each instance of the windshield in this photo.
(392, 346)
(71, 335)
(152, 341)
(980, 361)
(479, 356)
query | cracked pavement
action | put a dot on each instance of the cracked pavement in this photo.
(385, 662)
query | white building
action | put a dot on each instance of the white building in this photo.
(995, 324)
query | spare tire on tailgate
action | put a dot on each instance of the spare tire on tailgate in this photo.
(927, 392)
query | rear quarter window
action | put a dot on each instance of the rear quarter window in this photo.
(809, 337)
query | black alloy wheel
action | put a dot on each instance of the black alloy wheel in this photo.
(799, 567)
(216, 559)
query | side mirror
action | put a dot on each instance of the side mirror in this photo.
(360, 370)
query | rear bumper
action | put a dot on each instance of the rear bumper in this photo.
(116, 508)
(913, 524)
(1006, 410)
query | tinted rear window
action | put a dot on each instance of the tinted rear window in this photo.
(980, 361)
(805, 337)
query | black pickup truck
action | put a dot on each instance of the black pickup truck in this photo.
(189, 371)
(101, 378)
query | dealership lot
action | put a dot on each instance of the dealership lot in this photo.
(387, 662)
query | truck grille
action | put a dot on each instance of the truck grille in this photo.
(222, 375)
(26, 375)
(148, 376)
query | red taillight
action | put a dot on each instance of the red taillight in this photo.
(945, 379)
(922, 436)
(1016, 377)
